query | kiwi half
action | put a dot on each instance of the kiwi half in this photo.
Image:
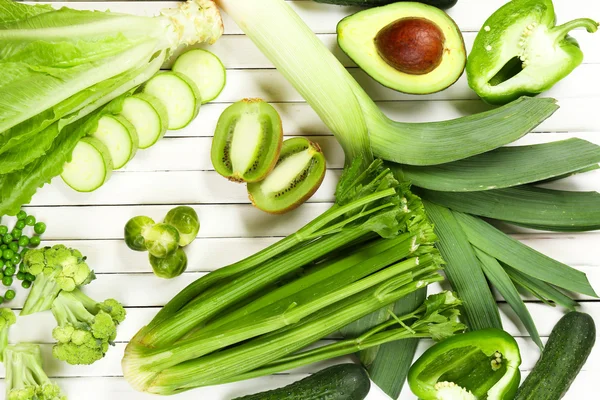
(247, 141)
(295, 178)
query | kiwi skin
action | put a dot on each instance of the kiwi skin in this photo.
(304, 198)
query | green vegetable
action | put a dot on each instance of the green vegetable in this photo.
(519, 51)
(149, 117)
(135, 229)
(120, 137)
(91, 165)
(34, 241)
(20, 224)
(30, 220)
(375, 3)
(161, 240)
(3, 230)
(8, 254)
(340, 382)
(10, 294)
(527, 205)
(7, 280)
(7, 318)
(205, 70)
(14, 246)
(566, 351)
(281, 310)
(85, 327)
(352, 116)
(21, 215)
(56, 269)
(475, 365)
(116, 54)
(170, 266)
(26, 284)
(185, 220)
(25, 377)
(7, 238)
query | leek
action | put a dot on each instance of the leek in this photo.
(349, 112)
(530, 206)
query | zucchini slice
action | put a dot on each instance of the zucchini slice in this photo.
(90, 165)
(119, 136)
(149, 117)
(205, 69)
(179, 94)
(295, 178)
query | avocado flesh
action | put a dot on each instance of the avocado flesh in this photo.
(356, 37)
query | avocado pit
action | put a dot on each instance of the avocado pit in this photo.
(411, 45)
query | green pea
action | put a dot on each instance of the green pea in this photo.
(7, 280)
(1, 299)
(21, 276)
(14, 246)
(16, 233)
(39, 228)
(3, 246)
(16, 259)
(30, 277)
(20, 224)
(8, 254)
(30, 220)
(21, 215)
(10, 294)
(8, 264)
(23, 241)
(26, 284)
(34, 241)
(9, 271)
(7, 238)
(3, 229)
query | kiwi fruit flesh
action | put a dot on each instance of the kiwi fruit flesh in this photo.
(247, 141)
(296, 177)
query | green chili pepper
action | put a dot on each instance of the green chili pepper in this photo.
(470, 366)
(520, 51)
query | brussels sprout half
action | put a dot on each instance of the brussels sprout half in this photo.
(161, 240)
(170, 266)
(134, 232)
(185, 220)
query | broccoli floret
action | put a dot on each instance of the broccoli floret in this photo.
(55, 268)
(25, 378)
(85, 328)
(7, 318)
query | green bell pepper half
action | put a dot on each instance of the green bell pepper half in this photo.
(520, 51)
(469, 366)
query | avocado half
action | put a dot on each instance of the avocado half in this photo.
(409, 47)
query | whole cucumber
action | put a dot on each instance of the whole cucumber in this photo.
(569, 345)
(340, 382)
(443, 4)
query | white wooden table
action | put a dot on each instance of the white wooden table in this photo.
(178, 171)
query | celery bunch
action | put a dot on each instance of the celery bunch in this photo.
(372, 248)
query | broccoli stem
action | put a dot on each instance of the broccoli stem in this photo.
(69, 309)
(23, 363)
(42, 294)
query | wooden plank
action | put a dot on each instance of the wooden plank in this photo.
(468, 14)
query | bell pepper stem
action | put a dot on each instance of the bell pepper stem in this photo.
(562, 30)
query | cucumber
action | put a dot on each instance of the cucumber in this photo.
(205, 69)
(119, 136)
(443, 4)
(568, 348)
(90, 165)
(340, 382)
(179, 94)
(149, 117)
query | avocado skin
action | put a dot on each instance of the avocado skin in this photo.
(443, 4)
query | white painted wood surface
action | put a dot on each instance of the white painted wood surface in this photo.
(178, 171)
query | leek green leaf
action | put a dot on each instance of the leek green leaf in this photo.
(544, 291)
(502, 282)
(505, 167)
(522, 258)
(463, 270)
(527, 205)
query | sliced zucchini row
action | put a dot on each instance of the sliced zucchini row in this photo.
(205, 69)
(90, 165)
(295, 178)
(119, 136)
(149, 117)
(179, 94)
